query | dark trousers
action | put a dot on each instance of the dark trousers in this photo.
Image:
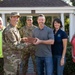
(24, 62)
(1, 66)
(44, 62)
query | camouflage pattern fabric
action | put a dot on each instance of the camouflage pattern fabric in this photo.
(12, 48)
(30, 51)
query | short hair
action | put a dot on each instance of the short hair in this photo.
(58, 21)
(41, 15)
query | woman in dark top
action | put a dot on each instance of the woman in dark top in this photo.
(59, 47)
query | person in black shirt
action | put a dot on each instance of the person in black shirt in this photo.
(59, 47)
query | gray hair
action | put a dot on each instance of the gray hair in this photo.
(1, 20)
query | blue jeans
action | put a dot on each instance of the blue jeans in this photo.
(57, 68)
(44, 63)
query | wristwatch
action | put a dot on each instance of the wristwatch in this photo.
(63, 57)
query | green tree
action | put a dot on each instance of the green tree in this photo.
(67, 21)
(22, 21)
(73, 2)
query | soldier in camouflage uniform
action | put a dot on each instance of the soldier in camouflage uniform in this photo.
(26, 31)
(12, 46)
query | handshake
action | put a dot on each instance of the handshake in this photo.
(29, 40)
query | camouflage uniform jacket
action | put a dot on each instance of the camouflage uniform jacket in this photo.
(12, 48)
(12, 39)
(26, 31)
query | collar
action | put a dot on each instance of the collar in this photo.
(42, 28)
(1, 29)
(57, 31)
(12, 26)
(29, 27)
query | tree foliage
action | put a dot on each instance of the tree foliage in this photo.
(22, 21)
(73, 2)
(67, 21)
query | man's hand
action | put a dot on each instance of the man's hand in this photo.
(25, 39)
(38, 41)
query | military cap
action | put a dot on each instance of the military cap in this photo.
(29, 17)
(15, 14)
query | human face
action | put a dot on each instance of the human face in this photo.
(1, 23)
(14, 20)
(56, 25)
(41, 20)
(29, 22)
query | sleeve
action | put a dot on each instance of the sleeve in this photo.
(33, 33)
(72, 38)
(11, 41)
(64, 35)
(51, 34)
